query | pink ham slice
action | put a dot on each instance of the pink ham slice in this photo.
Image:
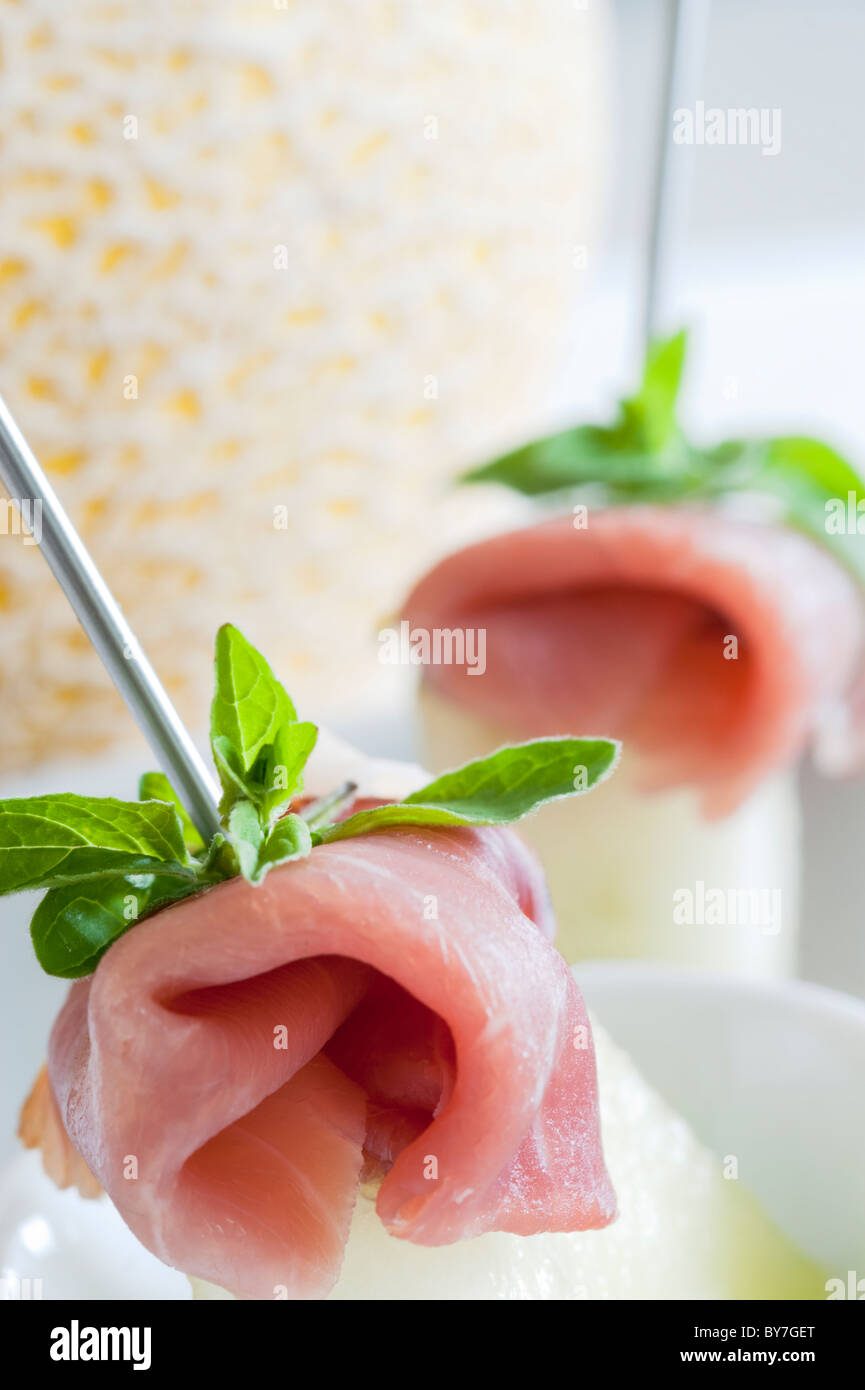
(392, 1002)
(620, 629)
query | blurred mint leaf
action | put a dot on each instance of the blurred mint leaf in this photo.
(645, 457)
(821, 492)
(653, 410)
(815, 489)
(642, 450)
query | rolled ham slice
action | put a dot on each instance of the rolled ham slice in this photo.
(717, 649)
(389, 1007)
(622, 628)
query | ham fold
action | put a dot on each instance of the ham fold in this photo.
(389, 1006)
(623, 628)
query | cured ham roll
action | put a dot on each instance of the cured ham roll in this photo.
(717, 650)
(389, 1009)
(462, 1019)
(683, 1230)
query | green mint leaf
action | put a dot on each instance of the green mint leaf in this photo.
(814, 463)
(234, 786)
(260, 748)
(73, 926)
(249, 704)
(815, 489)
(49, 841)
(591, 455)
(155, 786)
(645, 457)
(509, 784)
(256, 852)
(565, 460)
(245, 837)
(655, 405)
(288, 839)
(515, 780)
(286, 759)
(212, 862)
(642, 454)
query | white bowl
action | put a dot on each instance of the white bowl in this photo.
(771, 1072)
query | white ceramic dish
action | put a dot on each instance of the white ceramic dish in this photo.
(770, 1072)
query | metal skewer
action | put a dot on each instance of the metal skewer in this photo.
(687, 24)
(107, 629)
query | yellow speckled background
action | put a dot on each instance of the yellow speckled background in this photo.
(269, 274)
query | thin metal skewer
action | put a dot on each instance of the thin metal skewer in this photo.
(107, 628)
(684, 48)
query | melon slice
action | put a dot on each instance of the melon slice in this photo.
(618, 859)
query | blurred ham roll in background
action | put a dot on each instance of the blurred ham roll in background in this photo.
(260, 300)
(719, 650)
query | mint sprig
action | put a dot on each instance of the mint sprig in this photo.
(108, 864)
(260, 748)
(645, 456)
(249, 704)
